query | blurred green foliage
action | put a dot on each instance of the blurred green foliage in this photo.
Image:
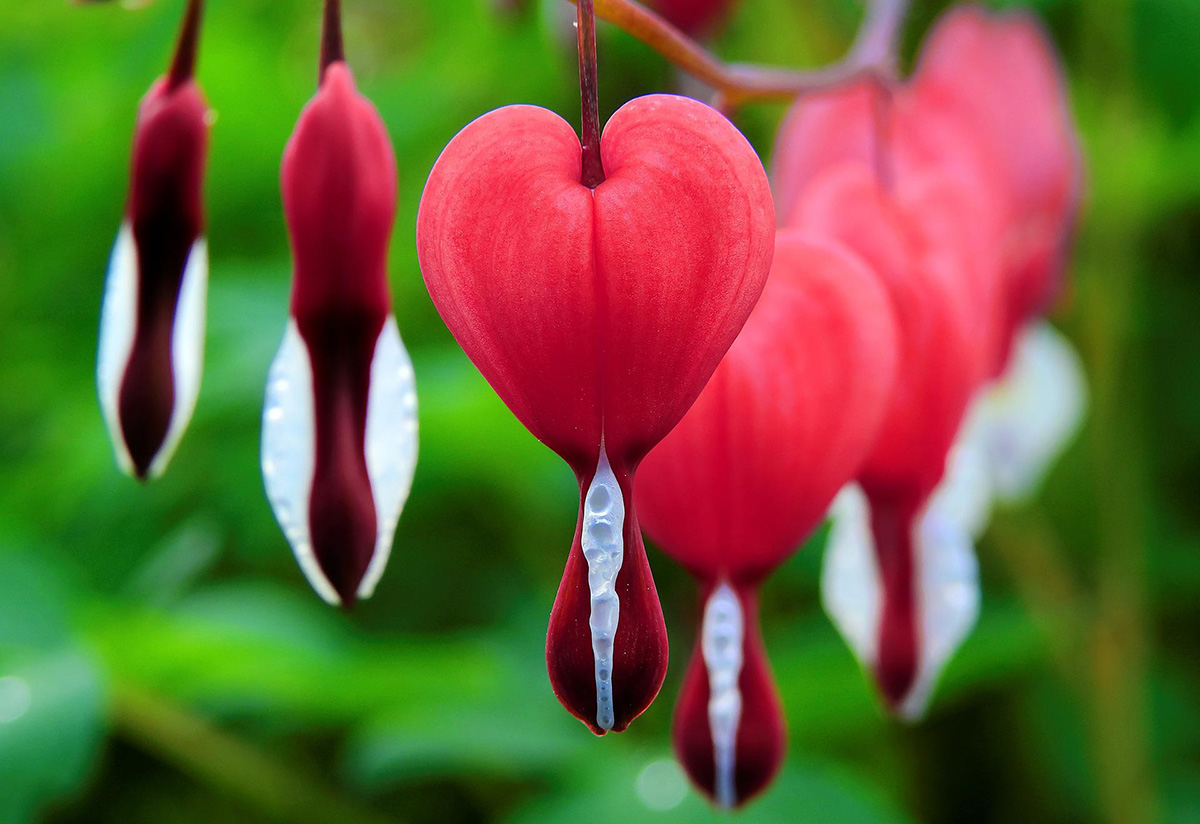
(161, 657)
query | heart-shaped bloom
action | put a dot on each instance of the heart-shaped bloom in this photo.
(340, 423)
(748, 474)
(151, 347)
(598, 315)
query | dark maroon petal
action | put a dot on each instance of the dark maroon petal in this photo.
(342, 520)
(640, 652)
(898, 657)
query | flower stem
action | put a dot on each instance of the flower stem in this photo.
(873, 54)
(332, 50)
(183, 65)
(592, 172)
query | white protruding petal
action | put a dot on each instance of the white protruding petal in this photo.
(118, 322)
(964, 496)
(187, 351)
(391, 443)
(850, 587)
(603, 542)
(944, 564)
(721, 640)
(289, 452)
(948, 595)
(1033, 410)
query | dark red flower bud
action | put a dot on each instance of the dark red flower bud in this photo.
(693, 17)
(340, 426)
(598, 315)
(152, 324)
(748, 474)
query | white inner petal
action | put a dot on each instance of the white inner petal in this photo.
(948, 595)
(1034, 410)
(391, 443)
(721, 641)
(289, 452)
(604, 549)
(118, 321)
(850, 588)
(187, 351)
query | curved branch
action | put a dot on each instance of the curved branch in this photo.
(872, 55)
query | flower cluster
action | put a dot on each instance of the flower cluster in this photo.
(863, 338)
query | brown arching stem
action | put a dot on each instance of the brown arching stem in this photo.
(592, 169)
(332, 50)
(882, 107)
(872, 55)
(183, 65)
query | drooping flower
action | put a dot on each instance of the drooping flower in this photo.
(747, 475)
(598, 315)
(339, 425)
(917, 237)
(152, 323)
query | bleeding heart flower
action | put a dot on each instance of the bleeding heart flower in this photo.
(1000, 74)
(152, 324)
(693, 17)
(917, 239)
(598, 315)
(340, 426)
(735, 489)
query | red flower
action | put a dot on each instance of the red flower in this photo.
(152, 323)
(748, 474)
(339, 427)
(598, 316)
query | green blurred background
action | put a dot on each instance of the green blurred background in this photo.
(163, 660)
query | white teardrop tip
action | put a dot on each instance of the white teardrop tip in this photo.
(722, 638)
(603, 541)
